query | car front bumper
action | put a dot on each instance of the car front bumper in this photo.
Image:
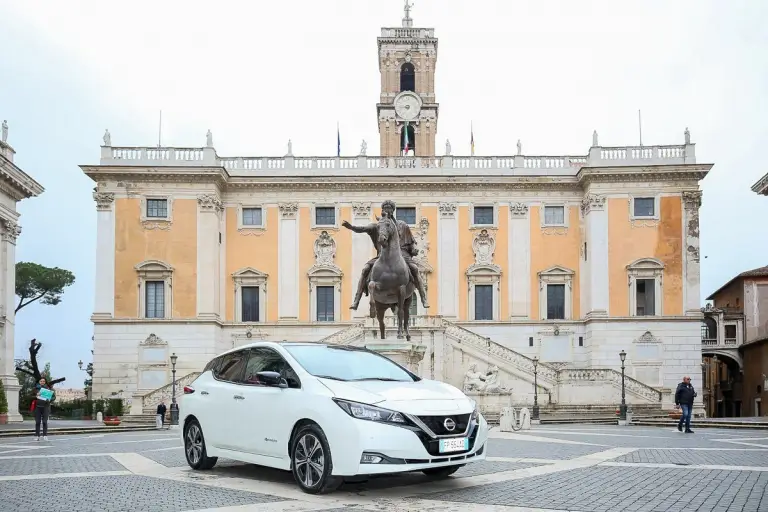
(400, 449)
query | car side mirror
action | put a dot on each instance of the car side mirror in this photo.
(272, 379)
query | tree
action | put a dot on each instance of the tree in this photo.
(30, 368)
(3, 400)
(37, 282)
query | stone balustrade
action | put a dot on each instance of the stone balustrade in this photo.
(439, 165)
(149, 401)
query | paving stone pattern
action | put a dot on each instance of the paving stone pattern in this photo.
(119, 494)
(43, 466)
(536, 450)
(725, 458)
(608, 489)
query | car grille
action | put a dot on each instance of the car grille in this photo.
(433, 445)
(437, 424)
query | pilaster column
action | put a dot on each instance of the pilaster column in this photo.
(692, 265)
(288, 263)
(596, 265)
(361, 251)
(209, 209)
(519, 275)
(11, 231)
(448, 260)
(104, 297)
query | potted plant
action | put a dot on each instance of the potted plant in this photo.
(3, 405)
(110, 419)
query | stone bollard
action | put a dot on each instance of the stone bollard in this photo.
(525, 418)
(507, 420)
(99, 417)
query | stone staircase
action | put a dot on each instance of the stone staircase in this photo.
(150, 401)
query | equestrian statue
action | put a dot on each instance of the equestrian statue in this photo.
(390, 278)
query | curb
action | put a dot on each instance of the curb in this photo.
(694, 424)
(74, 431)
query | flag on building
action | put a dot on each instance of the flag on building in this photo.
(338, 141)
(407, 144)
(472, 139)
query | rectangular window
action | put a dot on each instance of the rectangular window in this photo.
(406, 214)
(252, 217)
(730, 332)
(325, 216)
(645, 297)
(250, 305)
(645, 206)
(581, 341)
(554, 215)
(555, 302)
(155, 299)
(483, 302)
(414, 307)
(530, 341)
(157, 208)
(325, 303)
(483, 216)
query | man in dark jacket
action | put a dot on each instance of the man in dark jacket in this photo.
(684, 396)
(161, 415)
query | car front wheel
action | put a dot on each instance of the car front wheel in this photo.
(194, 447)
(311, 461)
(443, 472)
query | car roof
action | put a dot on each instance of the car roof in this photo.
(284, 343)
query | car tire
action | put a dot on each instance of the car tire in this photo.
(443, 472)
(311, 461)
(194, 447)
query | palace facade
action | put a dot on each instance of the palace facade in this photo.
(569, 259)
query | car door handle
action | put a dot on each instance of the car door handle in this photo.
(203, 392)
(238, 397)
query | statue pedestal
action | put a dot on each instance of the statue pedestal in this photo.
(490, 403)
(404, 353)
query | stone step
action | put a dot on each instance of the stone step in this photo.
(702, 423)
(71, 431)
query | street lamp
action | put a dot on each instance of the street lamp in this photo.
(716, 412)
(623, 408)
(89, 382)
(535, 415)
(174, 405)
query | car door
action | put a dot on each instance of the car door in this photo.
(267, 421)
(226, 400)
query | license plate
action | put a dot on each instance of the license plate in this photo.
(454, 445)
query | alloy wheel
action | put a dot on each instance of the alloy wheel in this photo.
(194, 444)
(309, 460)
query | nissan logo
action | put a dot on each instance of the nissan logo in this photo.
(449, 425)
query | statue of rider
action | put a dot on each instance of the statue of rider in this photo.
(407, 248)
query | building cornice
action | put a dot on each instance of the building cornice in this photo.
(761, 187)
(686, 172)
(16, 183)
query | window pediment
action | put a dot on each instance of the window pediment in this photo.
(646, 264)
(557, 271)
(249, 272)
(478, 270)
(320, 271)
(148, 266)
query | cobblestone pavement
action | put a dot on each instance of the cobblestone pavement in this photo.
(583, 468)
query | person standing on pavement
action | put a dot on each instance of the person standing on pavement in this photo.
(160, 421)
(43, 401)
(684, 396)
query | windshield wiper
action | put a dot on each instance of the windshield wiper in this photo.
(329, 377)
(387, 379)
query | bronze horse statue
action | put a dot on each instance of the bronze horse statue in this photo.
(390, 285)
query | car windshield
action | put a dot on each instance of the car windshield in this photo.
(342, 363)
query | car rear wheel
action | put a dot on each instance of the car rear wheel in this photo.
(311, 461)
(443, 472)
(194, 447)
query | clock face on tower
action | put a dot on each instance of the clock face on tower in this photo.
(407, 105)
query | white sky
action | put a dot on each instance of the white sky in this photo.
(258, 73)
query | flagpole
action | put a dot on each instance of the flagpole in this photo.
(160, 130)
(640, 125)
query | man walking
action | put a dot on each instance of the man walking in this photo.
(684, 396)
(160, 420)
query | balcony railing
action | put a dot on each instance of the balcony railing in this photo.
(714, 342)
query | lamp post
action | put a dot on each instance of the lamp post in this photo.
(716, 412)
(535, 415)
(623, 408)
(174, 405)
(89, 382)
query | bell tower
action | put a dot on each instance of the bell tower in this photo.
(407, 110)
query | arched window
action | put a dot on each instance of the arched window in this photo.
(407, 77)
(709, 329)
(411, 140)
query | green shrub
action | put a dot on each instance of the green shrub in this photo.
(3, 400)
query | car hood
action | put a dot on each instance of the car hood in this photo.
(422, 397)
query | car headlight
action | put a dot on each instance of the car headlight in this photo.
(370, 412)
(475, 412)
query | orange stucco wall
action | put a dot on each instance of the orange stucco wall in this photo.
(627, 244)
(256, 251)
(548, 250)
(176, 246)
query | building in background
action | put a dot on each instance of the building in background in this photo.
(15, 185)
(735, 346)
(570, 259)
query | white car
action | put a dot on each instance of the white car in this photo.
(326, 413)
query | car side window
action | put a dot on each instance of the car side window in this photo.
(231, 366)
(212, 365)
(267, 360)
